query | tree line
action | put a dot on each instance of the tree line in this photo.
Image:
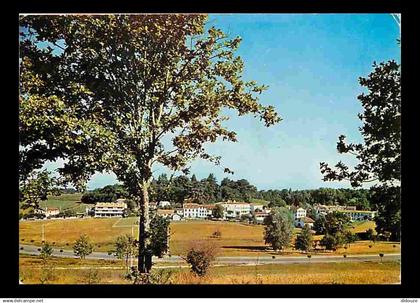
(208, 190)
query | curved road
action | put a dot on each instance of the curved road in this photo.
(238, 260)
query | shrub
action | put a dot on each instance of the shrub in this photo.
(200, 256)
(216, 234)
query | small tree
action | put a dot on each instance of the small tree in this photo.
(47, 270)
(125, 247)
(319, 225)
(218, 211)
(159, 236)
(200, 256)
(370, 234)
(82, 247)
(304, 239)
(46, 252)
(278, 228)
(349, 237)
(216, 234)
(329, 241)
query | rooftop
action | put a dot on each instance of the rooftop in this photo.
(111, 204)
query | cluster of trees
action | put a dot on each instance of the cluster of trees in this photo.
(279, 231)
(108, 193)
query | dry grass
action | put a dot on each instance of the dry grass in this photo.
(70, 271)
(236, 239)
(327, 273)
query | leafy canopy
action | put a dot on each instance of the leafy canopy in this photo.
(134, 80)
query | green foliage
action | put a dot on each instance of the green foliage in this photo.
(46, 252)
(370, 233)
(82, 247)
(334, 226)
(35, 188)
(349, 237)
(336, 222)
(331, 242)
(218, 211)
(304, 239)
(159, 237)
(279, 228)
(109, 193)
(320, 225)
(161, 276)
(125, 247)
(380, 153)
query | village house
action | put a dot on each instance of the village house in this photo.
(163, 204)
(359, 215)
(301, 222)
(233, 209)
(197, 211)
(166, 213)
(260, 216)
(110, 209)
(257, 207)
(48, 211)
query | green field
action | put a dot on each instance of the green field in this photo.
(66, 201)
(63, 202)
(74, 271)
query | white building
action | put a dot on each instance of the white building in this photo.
(110, 209)
(359, 215)
(301, 222)
(260, 216)
(299, 213)
(48, 211)
(176, 217)
(257, 207)
(197, 211)
(163, 204)
(233, 209)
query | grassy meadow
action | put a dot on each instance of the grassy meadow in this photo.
(74, 271)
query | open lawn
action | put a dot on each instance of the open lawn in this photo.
(236, 239)
(63, 202)
(74, 271)
(66, 201)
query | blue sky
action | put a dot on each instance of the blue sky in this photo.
(311, 63)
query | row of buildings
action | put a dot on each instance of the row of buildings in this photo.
(232, 210)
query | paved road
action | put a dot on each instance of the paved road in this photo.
(237, 260)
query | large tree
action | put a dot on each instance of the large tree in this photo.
(278, 230)
(380, 154)
(155, 88)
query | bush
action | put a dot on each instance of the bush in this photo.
(200, 256)
(216, 234)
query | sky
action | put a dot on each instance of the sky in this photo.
(311, 64)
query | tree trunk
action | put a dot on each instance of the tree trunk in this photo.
(145, 256)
